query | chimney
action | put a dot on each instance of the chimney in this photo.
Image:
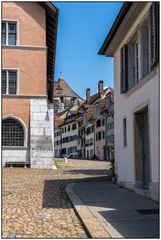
(100, 86)
(88, 95)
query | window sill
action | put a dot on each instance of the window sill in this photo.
(14, 148)
(7, 45)
(141, 83)
(22, 96)
(9, 95)
(28, 47)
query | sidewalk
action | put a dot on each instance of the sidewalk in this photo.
(109, 211)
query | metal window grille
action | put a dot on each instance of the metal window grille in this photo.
(12, 133)
(4, 82)
(12, 79)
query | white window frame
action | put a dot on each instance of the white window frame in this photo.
(18, 85)
(17, 31)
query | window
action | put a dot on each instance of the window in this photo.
(89, 130)
(141, 53)
(103, 135)
(4, 82)
(74, 126)
(96, 111)
(124, 132)
(98, 136)
(9, 82)
(103, 122)
(98, 123)
(12, 133)
(9, 33)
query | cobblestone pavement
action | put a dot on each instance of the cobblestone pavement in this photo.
(35, 204)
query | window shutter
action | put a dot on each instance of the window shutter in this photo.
(144, 49)
(154, 33)
(124, 69)
(131, 65)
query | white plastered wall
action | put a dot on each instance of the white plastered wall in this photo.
(125, 106)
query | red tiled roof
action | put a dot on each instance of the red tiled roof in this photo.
(66, 90)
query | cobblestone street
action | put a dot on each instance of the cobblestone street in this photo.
(35, 204)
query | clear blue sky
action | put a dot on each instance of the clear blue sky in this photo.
(82, 28)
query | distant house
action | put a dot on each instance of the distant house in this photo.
(28, 61)
(64, 97)
(108, 113)
(78, 128)
(100, 122)
(86, 128)
(133, 41)
(66, 132)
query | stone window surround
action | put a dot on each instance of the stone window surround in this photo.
(17, 30)
(18, 82)
(25, 133)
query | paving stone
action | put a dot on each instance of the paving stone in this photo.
(38, 206)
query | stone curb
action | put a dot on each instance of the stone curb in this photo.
(92, 225)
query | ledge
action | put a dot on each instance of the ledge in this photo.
(141, 83)
(14, 148)
(25, 47)
(23, 96)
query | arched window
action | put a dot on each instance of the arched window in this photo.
(12, 132)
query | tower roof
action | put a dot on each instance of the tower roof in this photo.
(66, 90)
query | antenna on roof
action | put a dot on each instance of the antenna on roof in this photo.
(61, 75)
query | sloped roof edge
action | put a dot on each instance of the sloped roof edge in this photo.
(125, 8)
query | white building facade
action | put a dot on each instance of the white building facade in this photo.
(69, 138)
(66, 135)
(134, 46)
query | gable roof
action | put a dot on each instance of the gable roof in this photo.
(66, 90)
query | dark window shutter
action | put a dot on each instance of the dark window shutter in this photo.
(154, 33)
(124, 69)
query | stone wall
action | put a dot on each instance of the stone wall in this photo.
(41, 146)
(15, 155)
